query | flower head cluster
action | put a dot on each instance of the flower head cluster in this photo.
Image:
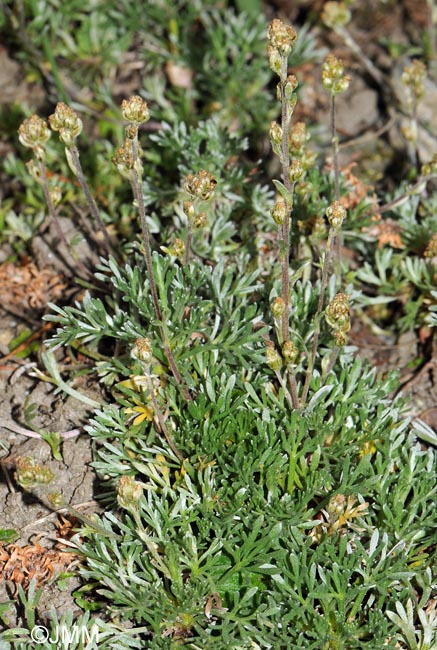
(335, 14)
(413, 77)
(129, 493)
(142, 350)
(281, 37)
(337, 316)
(201, 185)
(67, 122)
(135, 110)
(125, 159)
(290, 353)
(336, 214)
(273, 358)
(297, 140)
(333, 77)
(34, 133)
(280, 211)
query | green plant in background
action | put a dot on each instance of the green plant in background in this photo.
(260, 487)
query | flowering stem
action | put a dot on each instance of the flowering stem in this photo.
(318, 316)
(139, 198)
(293, 389)
(160, 417)
(284, 231)
(54, 217)
(88, 196)
(188, 243)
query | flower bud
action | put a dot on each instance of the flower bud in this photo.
(200, 220)
(125, 160)
(135, 110)
(179, 248)
(279, 212)
(337, 313)
(56, 195)
(189, 209)
(129, 493)
(275, 133)
(290, 353)
(296, 170)
(335, 214)
(273, 358)
(275, 60)
(142, 350)
(277, 307)
(333, 77)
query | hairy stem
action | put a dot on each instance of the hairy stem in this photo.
(54, 218)
(89, 198)
(160, 417)
(284, 231)
(139, 198)
(318, 316)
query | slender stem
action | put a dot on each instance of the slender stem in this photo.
(293, 389)
(160, 417)
(54, 218)
(289, 185)
(318, 316)
(139, 198)
(88, 196)
(188, 242)
(335, 148)
(334, 142)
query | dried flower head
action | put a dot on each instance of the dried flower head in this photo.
(335, 14)
(135, 110)
(67, 122)
(333, 77)
(201, 185)
(33, 132)
(281, 36)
